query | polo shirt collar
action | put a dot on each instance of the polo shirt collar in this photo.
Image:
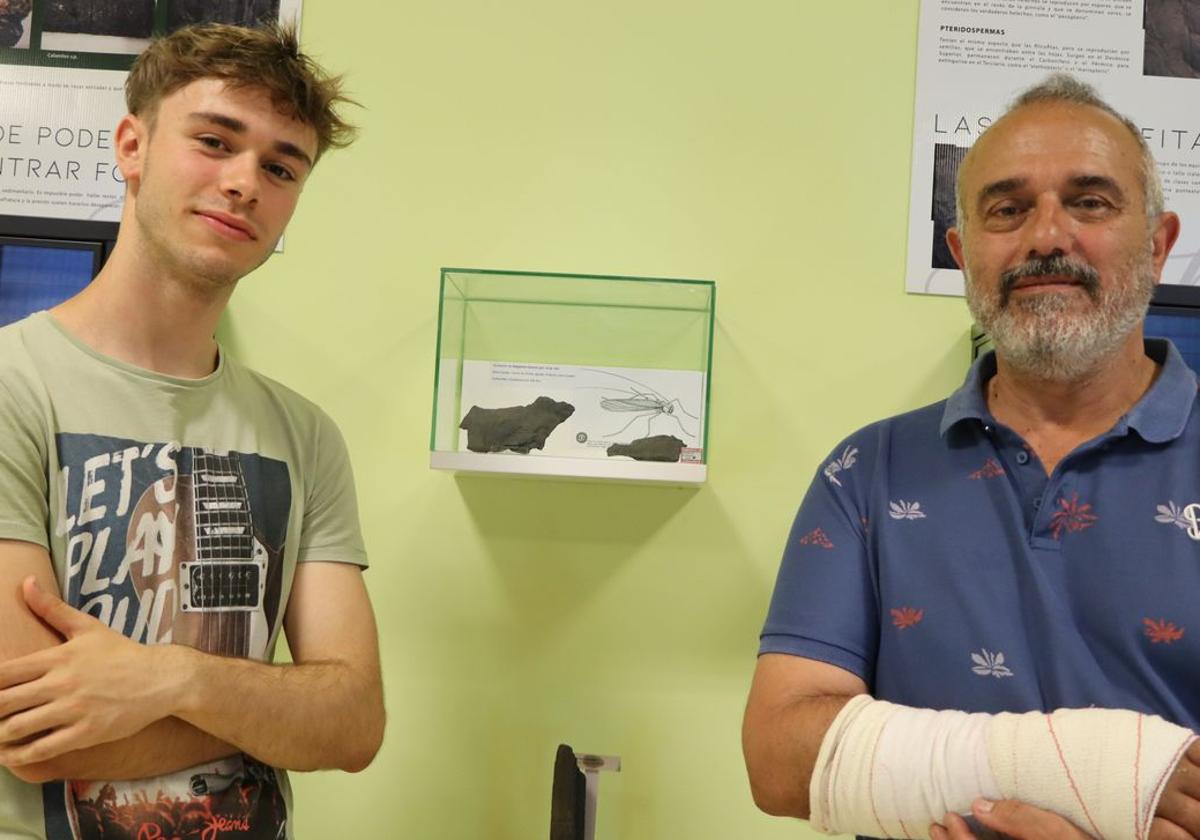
(1159, 416)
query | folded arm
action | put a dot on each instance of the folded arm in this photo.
(164, 746)
(102, 706)
(792, 703)
(324, 711)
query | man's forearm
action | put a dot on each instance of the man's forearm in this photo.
(309, 716)
(92, 690)
(781, 765)
(164, 746)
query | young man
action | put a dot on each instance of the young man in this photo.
(185, 507)
(1027, 546)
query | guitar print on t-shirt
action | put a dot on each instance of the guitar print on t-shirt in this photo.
(168, 543)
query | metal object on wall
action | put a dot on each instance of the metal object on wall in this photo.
(576, 789)
(981, 342)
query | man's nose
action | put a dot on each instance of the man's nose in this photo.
(240, 179)
(1049, 230)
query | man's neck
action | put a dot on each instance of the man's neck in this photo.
(1054, 417)
(136, 312)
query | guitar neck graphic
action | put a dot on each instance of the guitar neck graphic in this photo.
(229, 575)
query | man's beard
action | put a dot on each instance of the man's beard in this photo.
(1038, 334)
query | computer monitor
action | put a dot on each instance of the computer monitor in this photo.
(38, 273)
(1175, 314)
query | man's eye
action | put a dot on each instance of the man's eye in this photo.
(281, 172)
(212, 142)
(1006, 211)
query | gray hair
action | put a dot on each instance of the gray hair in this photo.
(1065, 88)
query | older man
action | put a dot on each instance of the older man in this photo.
(983, 600)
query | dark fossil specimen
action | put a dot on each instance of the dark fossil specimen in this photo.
(128, 18)
(12, 21)
(11, 31)
(1172, 30)
(238, 12)
(657, 448)
(519, 428)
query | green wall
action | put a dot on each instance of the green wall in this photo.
(764, 145)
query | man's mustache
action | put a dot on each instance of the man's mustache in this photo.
(1059, 266)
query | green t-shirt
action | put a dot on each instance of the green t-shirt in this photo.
(175, 510)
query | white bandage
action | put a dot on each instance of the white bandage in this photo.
(1103, 769)
(892, 771)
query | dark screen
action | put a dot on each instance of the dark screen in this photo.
(38, 276)
(1182, 326)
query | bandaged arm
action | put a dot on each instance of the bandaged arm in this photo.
(887, 770)
(891, 771)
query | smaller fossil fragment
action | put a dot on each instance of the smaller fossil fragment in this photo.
(657, 448)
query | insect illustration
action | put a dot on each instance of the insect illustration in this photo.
(643, 402)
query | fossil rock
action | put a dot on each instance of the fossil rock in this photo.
(658, 448)
(12, 21)
(11, 30)
(519, 428)
(128, 18)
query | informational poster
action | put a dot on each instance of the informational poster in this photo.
(582, 412)
(62, 74)
(975, 56)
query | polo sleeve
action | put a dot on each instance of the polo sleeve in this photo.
(825, 604)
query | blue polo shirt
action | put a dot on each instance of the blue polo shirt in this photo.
(934, 558)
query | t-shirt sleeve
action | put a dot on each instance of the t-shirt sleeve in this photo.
(825, 605)
(330, 531)
(24, 496)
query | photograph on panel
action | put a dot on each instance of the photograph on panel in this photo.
(946, 159)
(15, 21)
(237, 12)
(1172, 30)
(116, 27)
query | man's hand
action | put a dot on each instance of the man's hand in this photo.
(1177, 817)
(1014, 819)
(1178, 814)
(98, 686)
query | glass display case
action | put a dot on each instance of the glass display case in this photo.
(575, 376)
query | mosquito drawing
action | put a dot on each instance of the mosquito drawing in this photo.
(644, 402)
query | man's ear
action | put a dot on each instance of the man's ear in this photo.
(129, 144)
(954, 240)
(1163, 238)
